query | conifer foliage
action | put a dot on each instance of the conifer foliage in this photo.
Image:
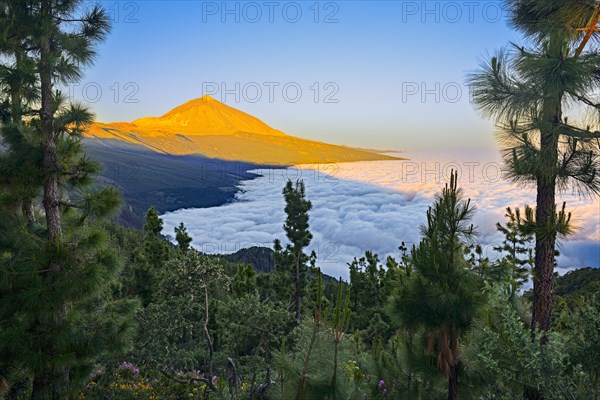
(441, 295)
(529, 91)
(182, 237)
(57, 313)
(518, 259)
(291, 261)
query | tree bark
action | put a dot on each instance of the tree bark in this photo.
(51, 383)
(28, 210)
(453, 382)
(544, 258)
(545, 238)
(543, 272)
(51, 199)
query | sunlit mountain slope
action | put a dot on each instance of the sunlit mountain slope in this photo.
(210, 128)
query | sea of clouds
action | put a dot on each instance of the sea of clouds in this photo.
(375, 206)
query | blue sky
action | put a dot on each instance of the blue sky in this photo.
(377, 74)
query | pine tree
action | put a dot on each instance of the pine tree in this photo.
(366, 280)
(312, 368)
(283, 279)
(181, 316)
(517, 238)
(441, 295)
(182, 237)
(244, 281)
(292, 260)
(55, 322)
(526, 92)
(154, 225)
(57, 314)
(156, 254)
(18, 94)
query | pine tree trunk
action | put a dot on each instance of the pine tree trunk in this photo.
(298, 295)
(545, 239)
(41, 389)
(544, 259)
(28, 210)
(453, 382)
(52, 383)
(51, 199)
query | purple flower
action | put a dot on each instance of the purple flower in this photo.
(214, 380)
(130, 367)
(125, 365)
(95, 373)
(385, 392)
(381, 384)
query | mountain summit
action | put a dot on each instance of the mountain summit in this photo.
(207, 116)
(210, 128)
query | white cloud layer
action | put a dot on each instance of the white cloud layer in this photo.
(375, 206)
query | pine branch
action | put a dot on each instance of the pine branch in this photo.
(585, 100)
(578, 133)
